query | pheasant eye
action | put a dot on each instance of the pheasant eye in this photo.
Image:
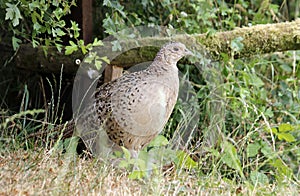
(175, 49)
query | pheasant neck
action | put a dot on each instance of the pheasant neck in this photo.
(163, 67)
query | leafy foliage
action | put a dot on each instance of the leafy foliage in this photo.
(42, 23)
(39, 23)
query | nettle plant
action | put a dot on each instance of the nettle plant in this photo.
(262, 126)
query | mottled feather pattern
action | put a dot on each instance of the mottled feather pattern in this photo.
(134, 108)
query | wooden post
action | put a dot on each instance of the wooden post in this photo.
(112, 72)
(87, 21)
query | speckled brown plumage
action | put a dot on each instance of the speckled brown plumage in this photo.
(134, 108)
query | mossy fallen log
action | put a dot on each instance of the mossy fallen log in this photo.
(258, 39)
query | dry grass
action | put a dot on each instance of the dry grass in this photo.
(44, 173)
(51, 173)
(40, 172)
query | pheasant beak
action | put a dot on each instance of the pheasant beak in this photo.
(188, 52)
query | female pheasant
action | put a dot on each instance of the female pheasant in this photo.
(131, 110)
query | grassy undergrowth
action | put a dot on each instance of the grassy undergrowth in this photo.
(40, 172)
(255, 150)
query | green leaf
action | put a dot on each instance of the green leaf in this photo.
(252, 149)
(184, 160)
(256, 81)
(98, 64)
(13, 13)
(33, 5)
(282, 168)
(124, 164)
(59, 47)
(286, 136)
(137, 174)
(259, 178)
(266, 150)
(83, 49)
(17, 17)
(116, 6)
(59, 32)
(118, 154)
(230, 157)
(47, 42)
(75, 28)
(70, 144)
(269, 112)
(70, 49)
(236, 44)
(126, 152)
(273, 130)
(58, 13)
(284, 127)
(37, 27)
(105, 59)
(35, 43)
(82, 46)
(286, 68)
(138, 163)
(160, 140)
(45, 50)
(16, 42)
(116, 46)
(97, 42)
(9, 12)
(89, 46)
(90, 57)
